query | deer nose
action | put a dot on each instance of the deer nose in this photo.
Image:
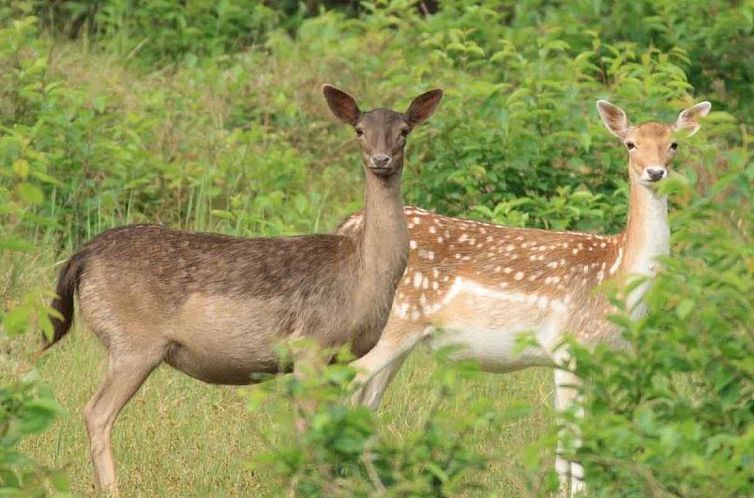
(656, 174)
(380, 160)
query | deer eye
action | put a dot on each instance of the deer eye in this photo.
(404, 132)
(630, 145)
(674, 146)
(359, 132)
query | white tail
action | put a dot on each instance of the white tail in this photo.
(484, 285)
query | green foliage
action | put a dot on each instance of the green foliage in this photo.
(157, 31)
(324, 447)
(26, 408)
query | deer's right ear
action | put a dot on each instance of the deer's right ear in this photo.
(614, 118)
(342, 105)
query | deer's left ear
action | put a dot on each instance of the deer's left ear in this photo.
(688, 120)
(423, 106)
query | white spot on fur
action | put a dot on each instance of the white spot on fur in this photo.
(402, 310)
(618, 260)
(418, 279)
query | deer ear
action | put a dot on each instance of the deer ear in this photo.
(614, 118)
(689, 119)
(342, 105)
(423, 106)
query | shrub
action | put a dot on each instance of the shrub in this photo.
(324, 447)
(674, 416)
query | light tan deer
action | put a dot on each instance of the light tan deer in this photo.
(485, 285)
(215, 307)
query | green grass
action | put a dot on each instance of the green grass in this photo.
(181, 437)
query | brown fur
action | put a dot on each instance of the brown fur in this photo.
(215, 307)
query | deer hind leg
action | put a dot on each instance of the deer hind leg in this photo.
(126, 372)
(378, 367)
(570, 474)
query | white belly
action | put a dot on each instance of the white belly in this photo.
(496, 350)
(502, 330)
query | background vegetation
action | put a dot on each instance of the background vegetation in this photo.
(208, 116)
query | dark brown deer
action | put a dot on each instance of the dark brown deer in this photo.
(214, 306)
(486, 285)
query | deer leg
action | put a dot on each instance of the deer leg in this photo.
(125, 374)
(389, 352)
(308, 362)
(370, 393)
(570, 474)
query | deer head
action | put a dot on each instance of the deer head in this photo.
(382, 133)
(651, 146)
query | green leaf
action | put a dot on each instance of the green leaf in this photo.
(30, 193)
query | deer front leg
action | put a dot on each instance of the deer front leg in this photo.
(570, 474)
(372, 391)
(383, 360)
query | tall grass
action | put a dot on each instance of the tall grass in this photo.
(180, 437)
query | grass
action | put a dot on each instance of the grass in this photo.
(181, 437)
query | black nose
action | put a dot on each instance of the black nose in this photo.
(380, 160)
(655, 174)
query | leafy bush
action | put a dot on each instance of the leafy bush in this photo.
(27, 407)
(324, 447)
(674, 416)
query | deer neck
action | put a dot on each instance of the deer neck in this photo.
(647, 237)
(383, 244)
